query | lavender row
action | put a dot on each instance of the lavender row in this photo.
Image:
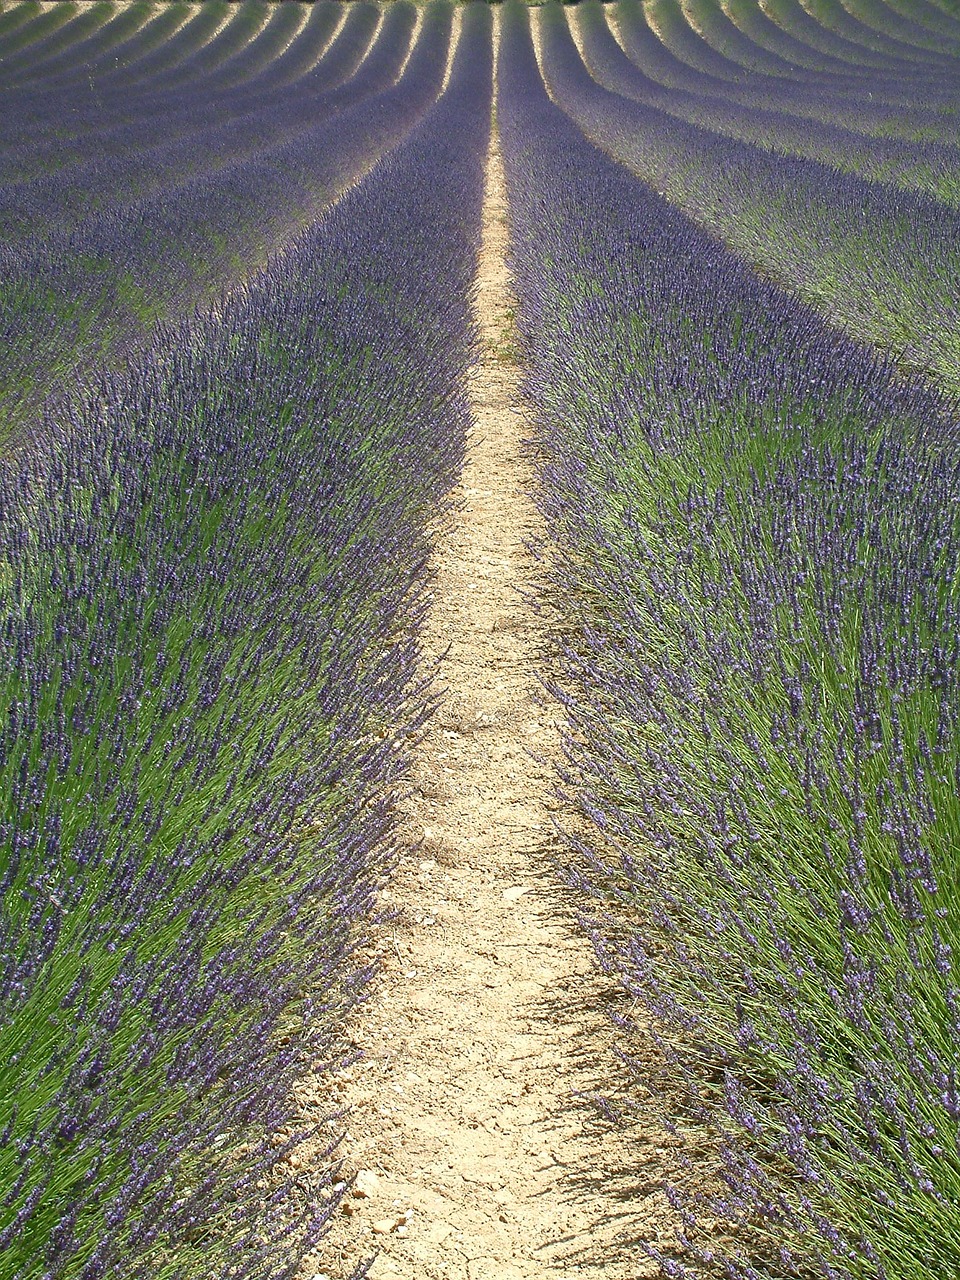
(756, 534)
(918, 25)
(157, 32)
(39, 150)
(717, 29)
(879, 262)
(911, 99)
(788, 19)
(929, 167)
(203, 28)
(85, 35)
(80, 43)
(56, 121)
(100, 289)
(214, 134)
(721, 30)
(880, 100)
(43, 30)
(82, 91)
(888, 97)
(761, 28)
(16, 16)
(212, 586)
(198, 127)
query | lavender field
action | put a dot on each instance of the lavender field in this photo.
(239, 247)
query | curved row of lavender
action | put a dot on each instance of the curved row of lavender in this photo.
(882, 263)
(89, 275)
(212, 580)
(691, 36)
(738, 31)
(815, 63)
(905, 113)
(764, 118)
(178, 132)
(154, 144)
(758, 544)
(858, 100)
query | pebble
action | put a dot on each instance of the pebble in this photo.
(514, 893)
(398, 1223)
(365, 1184)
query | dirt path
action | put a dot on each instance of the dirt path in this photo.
(473, 1159)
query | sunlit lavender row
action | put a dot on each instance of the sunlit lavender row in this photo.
(148, 217)
(879, 260)
(757, 541)
(212, 588)
(782, 116)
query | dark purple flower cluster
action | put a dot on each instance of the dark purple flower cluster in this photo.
(146, 211)
(211, 581)
(758, 538)
(879, 261)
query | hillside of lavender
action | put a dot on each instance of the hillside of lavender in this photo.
(213, 581)
(238, 244)
(740, 325)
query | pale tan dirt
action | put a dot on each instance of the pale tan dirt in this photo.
(474, 1150)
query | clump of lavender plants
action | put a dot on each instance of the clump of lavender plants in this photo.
(756, 525)
(211, 580)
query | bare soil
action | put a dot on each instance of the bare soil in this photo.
(475, 1151)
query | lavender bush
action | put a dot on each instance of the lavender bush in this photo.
(212, 577)
(756, 530)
